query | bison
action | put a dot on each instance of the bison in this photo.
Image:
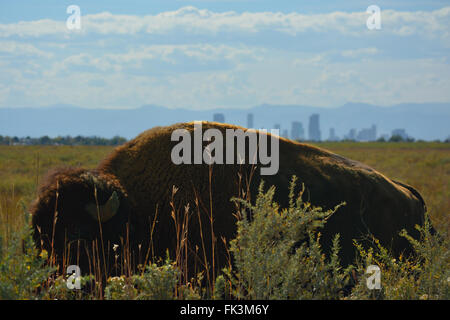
(140, 199)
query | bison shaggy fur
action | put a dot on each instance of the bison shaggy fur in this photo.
(147, 193)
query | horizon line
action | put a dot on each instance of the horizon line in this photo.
(65, 105)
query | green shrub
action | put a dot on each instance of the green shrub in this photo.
(23, 270)
(277, 255)
(277, 252)
(57, 289)
(155, 283)
(425, 275)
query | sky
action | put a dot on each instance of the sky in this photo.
(223, 54)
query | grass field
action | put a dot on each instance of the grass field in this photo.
(426, 166)
(22, 167)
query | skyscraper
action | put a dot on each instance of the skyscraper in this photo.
(369, 134)
(314, 128)
(219, 117)
(351, 135)
(333, 136)
(297, 131)
(250, 123)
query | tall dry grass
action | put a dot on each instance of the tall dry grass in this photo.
(426, 166)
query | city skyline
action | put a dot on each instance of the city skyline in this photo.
(421, 121)
(297, 131)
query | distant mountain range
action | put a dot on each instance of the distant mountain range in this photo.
(428, 121)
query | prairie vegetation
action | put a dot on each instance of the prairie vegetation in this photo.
(423, 165)
(282, 273)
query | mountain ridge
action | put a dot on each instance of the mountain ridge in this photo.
(427, 121)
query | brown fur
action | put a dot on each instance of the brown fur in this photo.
(62, 197)
(375, 205)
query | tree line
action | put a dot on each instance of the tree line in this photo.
(117, 140)
(67, 140)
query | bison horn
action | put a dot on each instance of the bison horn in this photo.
(105, 212)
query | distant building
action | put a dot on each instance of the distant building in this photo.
(314, 128)
(297, 131)
(351, 135)
(285, 134)
(250, 123)
(333, 136)
(400, 132)
(369, 134)
(219, 117)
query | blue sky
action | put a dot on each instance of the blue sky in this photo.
(234, 54)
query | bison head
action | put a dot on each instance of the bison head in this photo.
(79, 216)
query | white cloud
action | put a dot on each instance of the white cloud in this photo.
(203, 52)
(17, 49)
(201, 21)
(274, 80)
(217, 70)
(172, 54)
(32, 28)
(358, 52)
